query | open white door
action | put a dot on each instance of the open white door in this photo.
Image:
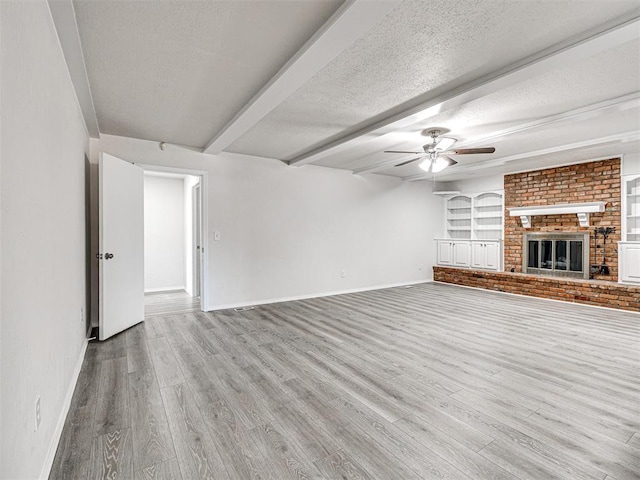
(121, 257)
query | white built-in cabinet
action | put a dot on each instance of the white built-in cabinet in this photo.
(486, 254)
(454, 253)
(474, 230)
(629, 247)
(629, 261)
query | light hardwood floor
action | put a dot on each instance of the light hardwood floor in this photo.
(434, 381)
(170, 302)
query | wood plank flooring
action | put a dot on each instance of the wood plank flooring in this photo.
(161, 303)
(430, 382)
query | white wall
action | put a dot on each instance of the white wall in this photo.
(288, 232)
(164, 237)
(631, 164)
(479, 184)
(42, 229)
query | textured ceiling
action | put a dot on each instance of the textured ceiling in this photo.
(182, 71)
(607, 75)
(421, 48)
(178, 71)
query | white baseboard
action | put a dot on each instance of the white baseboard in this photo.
(57, 433)
(314, 295)
(165, 289)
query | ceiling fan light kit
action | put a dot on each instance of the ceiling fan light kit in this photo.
(435, 152)
(440, 163)
(425, 165)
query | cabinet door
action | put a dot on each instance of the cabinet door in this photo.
(492, 255)
(461, 254)
(445, 252)
(630, 263)
(478, 254)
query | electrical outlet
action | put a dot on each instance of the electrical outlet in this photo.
(216, 236)
(343, 273)
(38, 418)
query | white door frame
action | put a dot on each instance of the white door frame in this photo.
(196, 239)
(204, 226)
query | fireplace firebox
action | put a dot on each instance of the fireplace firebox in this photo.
(556, 254)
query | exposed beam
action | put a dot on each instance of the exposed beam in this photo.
(619, 103)
(626, 137)
(64, 19)
(570, 51)
(383, 165)
(350, 22)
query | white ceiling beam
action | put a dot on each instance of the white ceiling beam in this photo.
(384, 164)
(626, 137)
(570, 51)
(64, 19)
(620, 103)
(350, 22)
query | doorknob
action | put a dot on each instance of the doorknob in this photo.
(107, 256)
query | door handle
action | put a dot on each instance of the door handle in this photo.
(107, 256)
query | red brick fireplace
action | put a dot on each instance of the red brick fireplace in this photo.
(582, 183)
(585, 182)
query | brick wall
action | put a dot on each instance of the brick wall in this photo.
(585, 182)
(590, 292)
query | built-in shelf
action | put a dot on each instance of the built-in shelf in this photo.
(631, 208)
(459, 216)
(474, 217)
(446, 193)
(582, 210)
(487, 216)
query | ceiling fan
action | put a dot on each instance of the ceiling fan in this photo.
(435, 156)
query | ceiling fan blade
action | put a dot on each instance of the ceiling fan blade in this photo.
(402, 151)
(408, 162)
(449, 159)
(471, 151)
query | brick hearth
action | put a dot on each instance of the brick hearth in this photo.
(590, 292)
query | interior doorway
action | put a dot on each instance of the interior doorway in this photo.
(196, 196)
(173, 245)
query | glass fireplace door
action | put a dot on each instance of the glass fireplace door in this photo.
(561, 255)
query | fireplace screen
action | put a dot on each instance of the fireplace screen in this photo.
(559, 254)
